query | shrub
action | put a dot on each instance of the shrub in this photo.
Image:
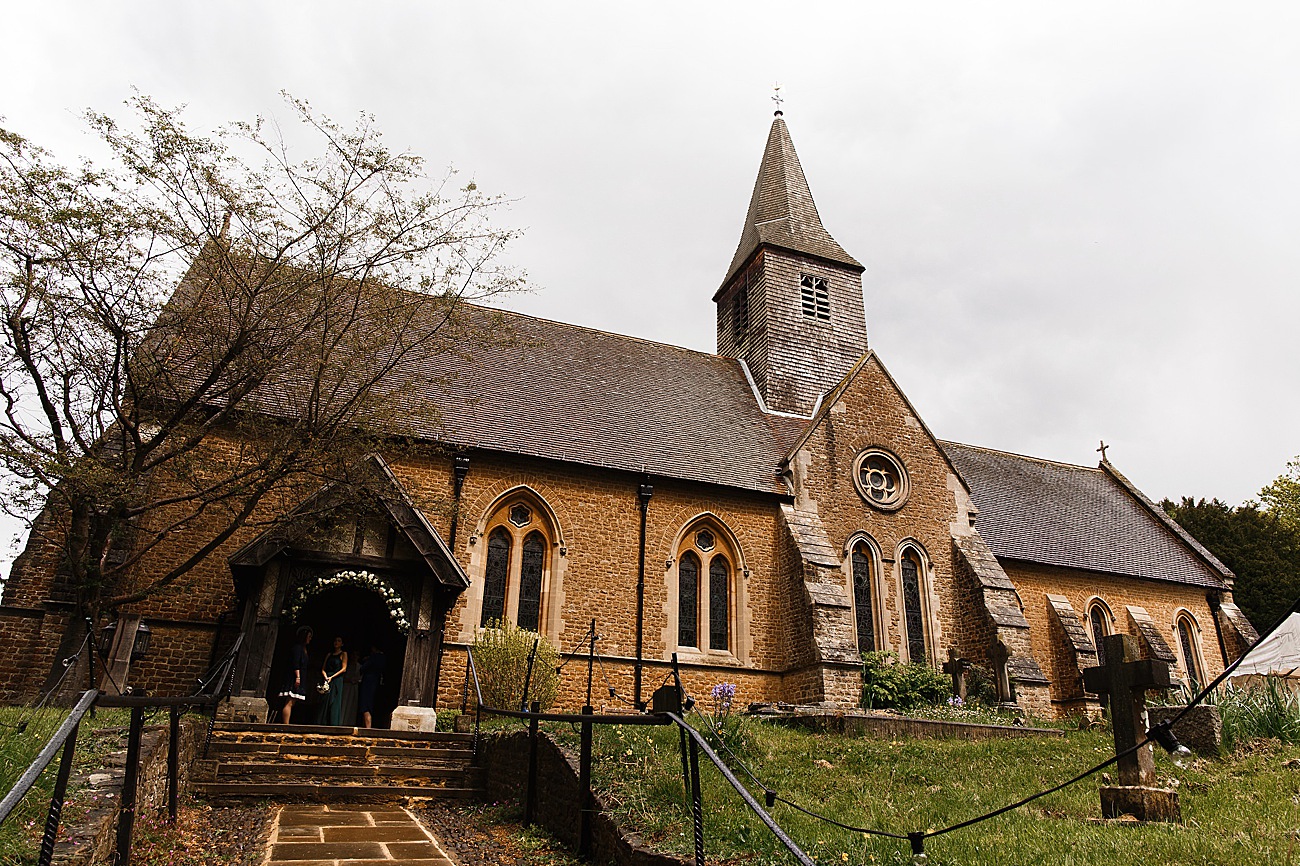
(1260, 711)
(888, 683)
(501, 657)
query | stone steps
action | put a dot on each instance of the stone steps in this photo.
(326, 764)
(315, 793)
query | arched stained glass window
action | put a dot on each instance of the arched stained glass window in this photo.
(862, 606)
(517, 564)
(530, 581)
(688, 600)
(1192, 660)
(494, 577)
(719, 603)
(1100, 628)
(913, 615)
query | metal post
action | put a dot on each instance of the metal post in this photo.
(681, 733)
(643, 497)
(55, 814)
(697, 804)
(126, 818)
(584, 786)
(591, 658)
(92, 649)
(173, 761)
(530, 794)
(528, 674)
(686, 767)
(464, 692)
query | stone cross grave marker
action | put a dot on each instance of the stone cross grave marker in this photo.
(956, 668)
(1125, 679)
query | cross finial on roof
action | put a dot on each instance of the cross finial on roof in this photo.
(1102, 449)
(776, 97)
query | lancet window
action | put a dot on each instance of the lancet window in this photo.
(705, 595)
(516, 566)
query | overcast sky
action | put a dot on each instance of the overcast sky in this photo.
(1077, 224)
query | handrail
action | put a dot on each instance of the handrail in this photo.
(224, 665)
(767, 819)
(28, 779)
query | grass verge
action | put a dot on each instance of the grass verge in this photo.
(1243, 808)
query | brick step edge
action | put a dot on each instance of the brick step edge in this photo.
(323, 750)
(325, 770)
(334, 793)
(328, 730)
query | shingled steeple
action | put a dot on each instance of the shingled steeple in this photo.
(791, 304)
(782, 212)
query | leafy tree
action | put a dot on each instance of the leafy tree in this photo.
(1261, 549)
(1282, 496)
(202, 326)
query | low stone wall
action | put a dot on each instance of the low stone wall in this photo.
(89, 836)
(1201, 730)
(505, 761)
(899, 727)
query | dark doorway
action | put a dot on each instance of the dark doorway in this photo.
(360, 617)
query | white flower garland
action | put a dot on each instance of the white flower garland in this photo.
(365, 580)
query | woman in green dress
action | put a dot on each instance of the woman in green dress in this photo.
(331, 705)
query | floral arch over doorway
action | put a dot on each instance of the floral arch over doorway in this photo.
(364, 579)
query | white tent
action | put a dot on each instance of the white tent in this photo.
(1276, 655)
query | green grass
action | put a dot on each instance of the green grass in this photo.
(20, 836)
(1239, 809)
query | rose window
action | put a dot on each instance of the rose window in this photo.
(704, 540)
(881, 480)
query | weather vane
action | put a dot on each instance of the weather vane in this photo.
(1102, 449)
(776, 96)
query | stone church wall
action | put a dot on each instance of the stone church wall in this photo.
(872, 413)
(1161, 600)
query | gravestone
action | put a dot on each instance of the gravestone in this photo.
(1125, 680)
(956, 668)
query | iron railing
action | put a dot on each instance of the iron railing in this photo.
(210, 690)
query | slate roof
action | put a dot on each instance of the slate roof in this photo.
(781, 209)
(572, 393)
(1078, 517)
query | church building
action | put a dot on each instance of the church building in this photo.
(765, 514)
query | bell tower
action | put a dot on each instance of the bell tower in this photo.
(791, 305)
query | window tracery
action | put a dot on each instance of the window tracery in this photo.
(706, 569)
(862, 565)
(516, 565)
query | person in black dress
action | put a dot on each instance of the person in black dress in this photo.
(294, 689)
(372, 674)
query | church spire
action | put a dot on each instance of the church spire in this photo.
(782, 212)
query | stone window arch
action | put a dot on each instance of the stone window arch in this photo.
(1188, 634)
(1100, 624)
(914, 588)
(516, 572)
(705, 596)
(863, 569)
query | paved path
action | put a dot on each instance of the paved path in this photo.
(352, 836)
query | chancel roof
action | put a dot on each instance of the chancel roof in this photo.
(781, 209)
(1078, 517)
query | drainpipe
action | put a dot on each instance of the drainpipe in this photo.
(644, 492)
(1215, 603)
(459, 468)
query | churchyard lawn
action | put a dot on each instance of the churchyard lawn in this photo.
(1242, 808)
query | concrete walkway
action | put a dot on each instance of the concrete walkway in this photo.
(345, 835)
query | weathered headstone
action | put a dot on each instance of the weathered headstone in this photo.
(956, 668)
(1125, 679)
